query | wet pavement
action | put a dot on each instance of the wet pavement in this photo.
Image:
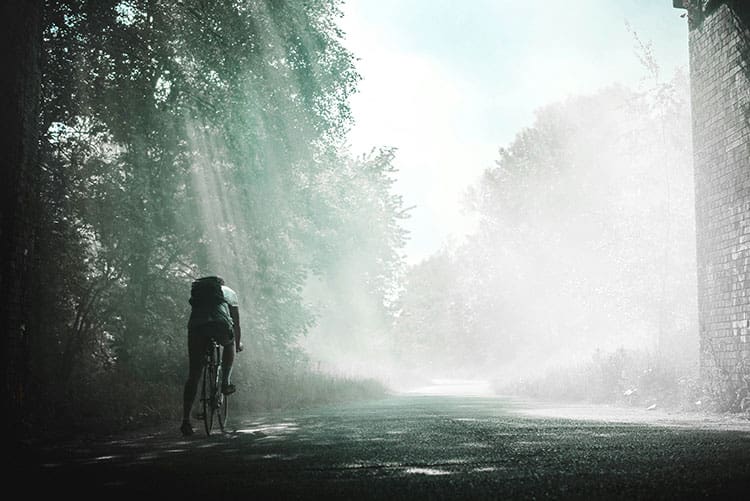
(410, 447)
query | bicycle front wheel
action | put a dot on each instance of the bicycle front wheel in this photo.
(207, 395)
(222, 404)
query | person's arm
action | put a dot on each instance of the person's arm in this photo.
(235, 313)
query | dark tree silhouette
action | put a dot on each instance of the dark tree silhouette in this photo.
(20, 25)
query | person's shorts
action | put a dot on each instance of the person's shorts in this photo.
(221, 332)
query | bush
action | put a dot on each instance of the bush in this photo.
(108, 401)
(267, 386)
(622, 377)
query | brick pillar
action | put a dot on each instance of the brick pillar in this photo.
(720, 94)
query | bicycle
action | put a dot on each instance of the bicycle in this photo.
(214, 402)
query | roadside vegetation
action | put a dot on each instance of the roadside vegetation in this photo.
(579, 283)
(182, 139)
(623, 377)
(634, 378)
(584, 248)
(111, 404)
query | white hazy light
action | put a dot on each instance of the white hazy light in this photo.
(448, 122)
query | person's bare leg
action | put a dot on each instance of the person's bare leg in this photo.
(191, 388)
(227, 360)
(196, 348)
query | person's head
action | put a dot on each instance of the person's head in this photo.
(214, 277)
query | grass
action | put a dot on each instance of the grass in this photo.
(111, 402)
(623, 377)
(270, 388)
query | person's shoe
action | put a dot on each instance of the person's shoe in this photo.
(186, 429)
(228, 389)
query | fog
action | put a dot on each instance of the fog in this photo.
(578, 249)
(585, 246)
(511, 204)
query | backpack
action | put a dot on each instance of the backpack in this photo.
(206, 293)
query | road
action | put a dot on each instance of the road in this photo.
(409, 447)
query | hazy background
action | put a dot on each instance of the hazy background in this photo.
(397, 191)
(448, 83)
(544, 150)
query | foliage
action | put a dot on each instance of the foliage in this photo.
(276, 386)
(187, 138)
(354, 298)
(622, 377)
(727, 385)
(585, 240)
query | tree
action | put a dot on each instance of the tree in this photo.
(186, 138)
(576, 219)
(21, 43)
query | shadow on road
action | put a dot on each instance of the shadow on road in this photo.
(410, 447)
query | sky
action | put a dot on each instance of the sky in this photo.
(449, 82)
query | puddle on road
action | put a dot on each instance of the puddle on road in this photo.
(427, 471)
(266, 457)
(485, 469)
(269, 429)
(99, 459)
(371, 464)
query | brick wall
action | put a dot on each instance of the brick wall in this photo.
(721, 140)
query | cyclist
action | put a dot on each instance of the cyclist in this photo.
(215, 314)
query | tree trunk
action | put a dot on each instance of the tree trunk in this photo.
(20, 43)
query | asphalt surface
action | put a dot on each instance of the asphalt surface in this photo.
(406, 447)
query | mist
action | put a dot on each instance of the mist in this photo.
(582, 258)
(585, 245)
(376, 249)
(474, 242)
